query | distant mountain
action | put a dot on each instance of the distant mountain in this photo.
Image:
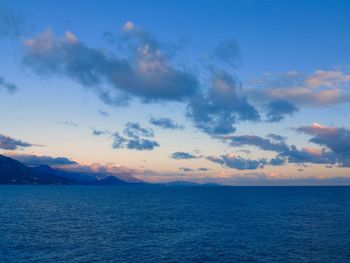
(182, 183)
(110, 180)
(79, 177)
(14, 172)
(127, 177)
(187, 183)
(211, 184)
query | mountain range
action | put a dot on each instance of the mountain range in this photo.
(15, 172)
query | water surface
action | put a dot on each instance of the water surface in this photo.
(174, 224)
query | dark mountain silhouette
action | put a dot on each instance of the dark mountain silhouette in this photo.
(110, 180)
(181, 183)
(188, 183)
(14, 172)
(81, 178)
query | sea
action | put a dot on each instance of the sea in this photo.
(174, 224)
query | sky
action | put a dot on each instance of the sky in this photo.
(231, 92)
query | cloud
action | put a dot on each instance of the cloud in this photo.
(319, 89)
(35, 160)
(329, 79)
(337, 140)
(8, 143)
(69, 123)
(145, 71)
(142, 67)
(8, 86)
(103, 113)
(98, 132)
(186, 169)
(308, 155)
(134, 130)
(133, 144)
(166, 123)
(216, 111)
(182, 156)
(257, 141)
(277, 161)
(237, 162)
(135, 138)
(276, 137)
(277, 109)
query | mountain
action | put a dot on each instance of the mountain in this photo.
(14, 172)
(187, 183)
(211, 184)
(111, 180)
(127, 177)
(78, 177)
(182, 183)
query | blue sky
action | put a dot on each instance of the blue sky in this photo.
(205, 82)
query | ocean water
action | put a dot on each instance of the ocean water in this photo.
(174, 224)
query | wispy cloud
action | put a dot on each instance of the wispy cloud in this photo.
(335, 142)
(8, 143)
(237, 162)
(69, 123)
(166, 123)
(257, 141)
(134, 130)
(135, 138)
(103, 113)
(8, 86)
(139, 144)
(186, 169)
(320, 89)
(182, 156)
(97, 132)
(276, 137)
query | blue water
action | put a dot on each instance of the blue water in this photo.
(174, 224)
